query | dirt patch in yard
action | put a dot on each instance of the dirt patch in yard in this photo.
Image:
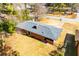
(28, 46)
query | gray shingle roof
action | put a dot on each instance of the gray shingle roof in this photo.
(51, 32)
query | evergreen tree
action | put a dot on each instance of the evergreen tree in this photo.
(7, 8)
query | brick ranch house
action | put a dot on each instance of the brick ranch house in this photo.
(40, 31)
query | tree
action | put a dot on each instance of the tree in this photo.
(58, 7)
(39, 10)
(69, 45)
(6, 8)
(6, 27)
(25, 13)
(1, 27)
(75, 7)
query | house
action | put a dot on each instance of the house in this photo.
(43, 32)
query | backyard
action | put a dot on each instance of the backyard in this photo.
(28, 46)
(63, 16)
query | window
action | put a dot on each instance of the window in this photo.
(35, 27)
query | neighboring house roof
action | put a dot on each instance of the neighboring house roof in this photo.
(55, 32)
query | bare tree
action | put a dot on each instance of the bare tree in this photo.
(76, 6)
(39, 11)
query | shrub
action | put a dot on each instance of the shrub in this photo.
(8, 26)
(1, 27)
(6, 50)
